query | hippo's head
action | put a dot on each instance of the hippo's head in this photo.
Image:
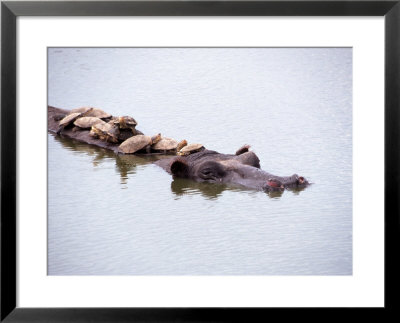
(243, 170)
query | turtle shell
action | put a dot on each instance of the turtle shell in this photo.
(103, 127)
(165, 144)
(134, 144)
(105, 132)
(126, 122)
(69, 119)
(113, 121)
(87, 122)
(95, 112)
(191, 148)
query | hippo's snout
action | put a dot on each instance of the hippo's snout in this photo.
(301, 181)
(273, 184)
(280, 183)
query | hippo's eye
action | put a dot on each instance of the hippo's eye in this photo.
(211, 171)
(207, 172)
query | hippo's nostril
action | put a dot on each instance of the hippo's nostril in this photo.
(301, 180)
(274, 183)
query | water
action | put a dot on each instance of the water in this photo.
(123, 215)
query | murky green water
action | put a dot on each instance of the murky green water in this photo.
(122, 215)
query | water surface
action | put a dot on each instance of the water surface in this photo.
(122, 215)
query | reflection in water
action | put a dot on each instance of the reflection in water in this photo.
(296, 191)
(274, 194)
(80, 147)
(125, 164)
(278, 194)
(184, 186)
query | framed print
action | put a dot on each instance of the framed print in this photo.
(198, 161)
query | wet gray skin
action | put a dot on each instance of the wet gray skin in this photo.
(244, 170)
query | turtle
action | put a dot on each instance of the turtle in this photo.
(190, 149)
(168, 145)
(95, 112)
(126, 127)
(105, 131)
(125, 122)
(87, 122)
(139, 142)
(67, 120)
(181, 144)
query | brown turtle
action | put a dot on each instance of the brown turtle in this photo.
(70, 118)
(181, 144)
(139, 142)
(190, 149)
(105, 131)
(124, 122)
(126, 127)
(95, 112)
(87, 122)
(168, 145)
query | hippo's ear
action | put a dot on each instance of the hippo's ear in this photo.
(180, 168)
(242, 150)
(249, 158)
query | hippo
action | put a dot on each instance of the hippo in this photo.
(242, 169)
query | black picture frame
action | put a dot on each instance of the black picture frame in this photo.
(10, 10)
